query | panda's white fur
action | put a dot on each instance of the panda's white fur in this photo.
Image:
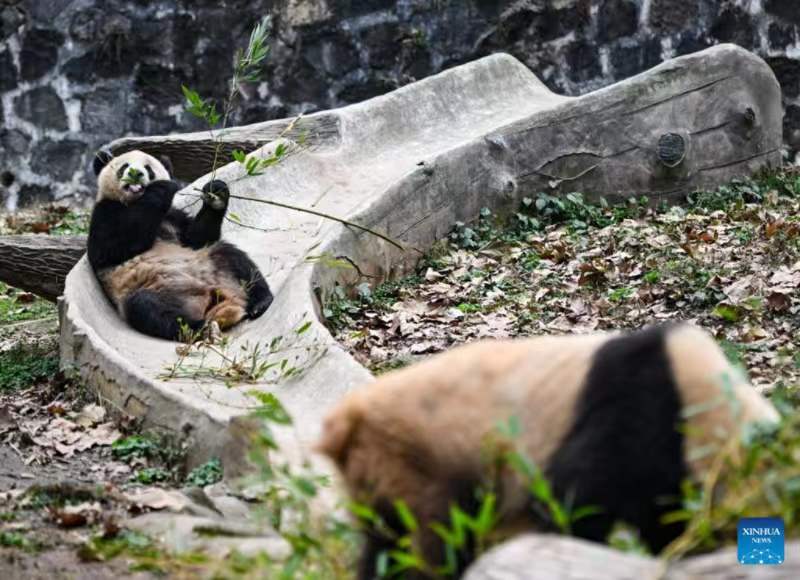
(587, 405)
(125, 177)
(718, 402)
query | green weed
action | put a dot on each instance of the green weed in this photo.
(16, 540)
(620, 294)
(208, 473)
(323, 546)
(162, 455)
(652, 277)
(761, 477)
(151, 475)
(102, 549)
(473, 237)
(626, 539)
(135, 446)
(339, 307)
(24, 365)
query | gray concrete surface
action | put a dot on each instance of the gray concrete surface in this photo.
(411, 163)
(550, 557)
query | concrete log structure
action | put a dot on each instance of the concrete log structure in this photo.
(76, 74)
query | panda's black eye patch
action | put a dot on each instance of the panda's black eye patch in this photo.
(150, 173)
(121, 170)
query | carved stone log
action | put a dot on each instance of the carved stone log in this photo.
(410, 164)
(38, 263)
(543, 557)
(195, 154)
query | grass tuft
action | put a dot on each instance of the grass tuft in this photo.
(24, 365)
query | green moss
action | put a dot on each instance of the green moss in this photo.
(24, 364)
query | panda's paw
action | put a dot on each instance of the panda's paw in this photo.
(163, 188)
(216, 195)
(257, 309)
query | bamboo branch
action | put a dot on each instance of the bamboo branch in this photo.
(322, 214)
(318, 213)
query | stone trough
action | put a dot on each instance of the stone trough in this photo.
(410, 164)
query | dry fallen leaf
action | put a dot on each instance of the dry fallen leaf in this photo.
(779, 301)
(71, 516)
(432, 275)
(67, 437)
(25, 297)
(90, 415)
(7, 421)
(785, 277)
(739, 290)
(155, 498)
(716, 268)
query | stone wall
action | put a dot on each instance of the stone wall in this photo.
(77, 73)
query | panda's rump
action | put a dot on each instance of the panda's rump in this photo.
(189, 275)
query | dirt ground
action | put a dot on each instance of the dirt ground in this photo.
(60, 482)
(63, 564)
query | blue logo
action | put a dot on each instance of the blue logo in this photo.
(760, 541)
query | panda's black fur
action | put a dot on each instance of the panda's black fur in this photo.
(615, 421)
(625, 447)
(160, 267)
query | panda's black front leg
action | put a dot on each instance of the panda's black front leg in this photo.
(206, 227)
(118, 232)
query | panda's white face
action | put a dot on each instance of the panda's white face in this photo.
(125, 177)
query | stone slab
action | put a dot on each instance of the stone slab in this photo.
(545, 557)
(410, 164)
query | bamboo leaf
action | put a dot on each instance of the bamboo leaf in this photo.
(363, 512)
(192, 97)
(406, 517)
(271, 408)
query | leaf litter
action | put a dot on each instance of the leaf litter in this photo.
(729, 262)
(60, 480)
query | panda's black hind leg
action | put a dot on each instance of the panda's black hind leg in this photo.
(158, 314)
(229, 258)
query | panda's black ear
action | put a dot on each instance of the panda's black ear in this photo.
(101, 159)
(165, 161)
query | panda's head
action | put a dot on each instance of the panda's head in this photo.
(123, 178)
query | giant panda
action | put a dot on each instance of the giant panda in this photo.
(614, 421)
(162, 269)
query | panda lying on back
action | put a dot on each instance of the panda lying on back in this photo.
(160, 267)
